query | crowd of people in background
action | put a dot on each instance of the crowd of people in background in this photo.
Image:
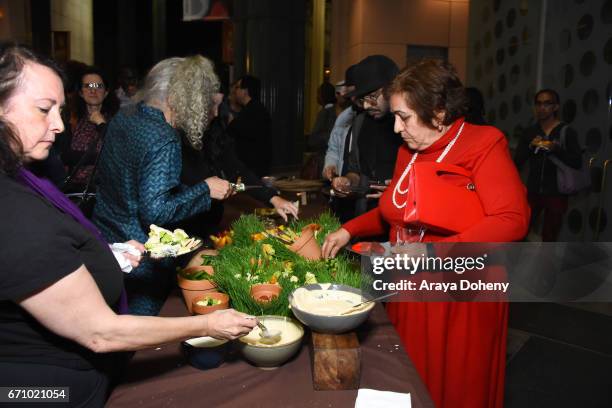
(357, 181)
(166, 149)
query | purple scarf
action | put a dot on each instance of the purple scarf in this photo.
(48, 191)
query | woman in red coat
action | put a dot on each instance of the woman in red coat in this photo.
(458, 348)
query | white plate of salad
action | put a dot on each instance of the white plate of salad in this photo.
(163, 243)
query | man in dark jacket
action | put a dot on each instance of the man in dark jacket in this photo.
(538, 143)
(251, 130)
(372, 146)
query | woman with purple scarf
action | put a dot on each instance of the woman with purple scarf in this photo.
(58, 277)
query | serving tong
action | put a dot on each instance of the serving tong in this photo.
(283, 240)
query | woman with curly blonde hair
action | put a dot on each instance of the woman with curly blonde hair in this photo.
(140, 167)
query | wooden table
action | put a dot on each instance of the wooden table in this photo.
(162, 378)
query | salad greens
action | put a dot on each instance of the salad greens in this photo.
(165, 243)
(208, 302)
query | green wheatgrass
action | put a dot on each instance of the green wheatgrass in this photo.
(235, 260)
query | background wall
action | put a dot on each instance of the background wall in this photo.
(14, 21)
(365, 27)
(519, 46)
(75, 16)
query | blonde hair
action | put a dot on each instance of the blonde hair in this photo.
(187, 85)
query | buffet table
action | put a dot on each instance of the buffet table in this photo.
(162, 378)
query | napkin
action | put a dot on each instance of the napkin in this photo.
(119, 249)
(367, 398)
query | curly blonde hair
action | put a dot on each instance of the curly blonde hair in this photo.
(187, 85)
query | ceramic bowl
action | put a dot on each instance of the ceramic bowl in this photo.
(272, 356)
(204, 352)
(202, 310)
(306, 245)
(192, 287)
(265, 292)
(330, 324)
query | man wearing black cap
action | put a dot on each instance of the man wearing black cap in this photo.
(372, 149)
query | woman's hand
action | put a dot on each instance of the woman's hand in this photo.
(219, 189)
(96, 118)
(229, 324)
(334, 242)
(284, 207)
(134, 259)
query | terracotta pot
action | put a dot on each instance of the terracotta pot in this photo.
(192, 288)
(197, 258)
(306, 245)
(265, 292)
(202, 310)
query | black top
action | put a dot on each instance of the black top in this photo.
(377, 146)
(40, 245)
(319, 137)
(217, 158)
(542, 178)
(251, 132)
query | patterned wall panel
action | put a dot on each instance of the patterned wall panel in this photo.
(576, 61)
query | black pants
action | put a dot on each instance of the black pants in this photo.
(88, 388)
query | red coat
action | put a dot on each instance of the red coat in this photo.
(459, 348)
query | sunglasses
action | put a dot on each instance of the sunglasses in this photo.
(94, 85)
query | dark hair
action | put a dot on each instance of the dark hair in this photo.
(252, 84)
(476, 108)
(11, 149)
(430, 86)
(328, 93)
(551, 92)
(72, 70)
(13, 59)
(127, 77)
(110, 105)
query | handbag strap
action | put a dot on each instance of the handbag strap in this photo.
(397, 188)
(88, 185)
(91, 148)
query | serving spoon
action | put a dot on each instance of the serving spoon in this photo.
(352, 308)
(268, 336)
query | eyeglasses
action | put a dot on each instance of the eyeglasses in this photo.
(94, 85)
(371, 98)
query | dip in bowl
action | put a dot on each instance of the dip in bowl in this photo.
(272, 355)
(321, 306)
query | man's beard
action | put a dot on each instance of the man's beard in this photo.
(376, 113)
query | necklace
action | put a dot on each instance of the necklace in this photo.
(398, 190)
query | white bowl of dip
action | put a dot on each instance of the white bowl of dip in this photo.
(321, 306)
(272, 355)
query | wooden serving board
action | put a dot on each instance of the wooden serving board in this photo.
(336, 361)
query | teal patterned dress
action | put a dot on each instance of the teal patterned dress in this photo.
(138, 185)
